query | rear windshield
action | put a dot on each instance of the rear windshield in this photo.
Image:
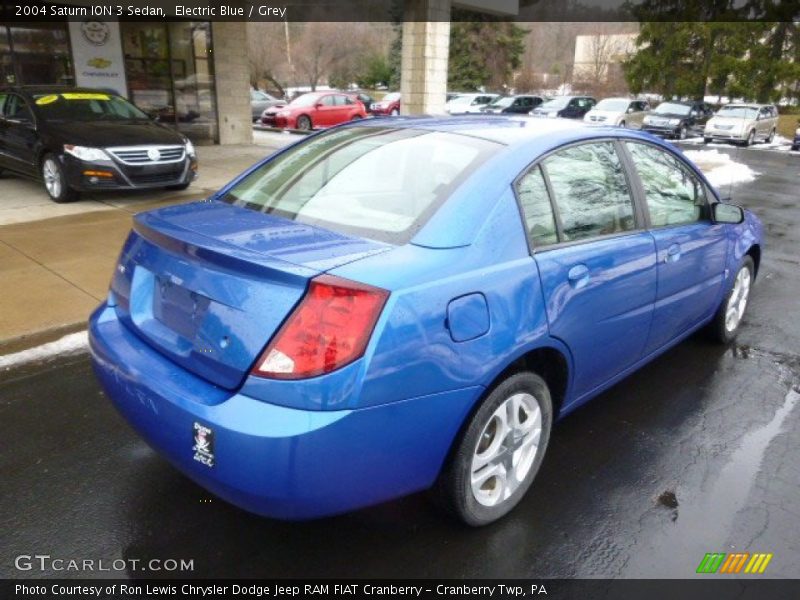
(86, 106)
(381, 183)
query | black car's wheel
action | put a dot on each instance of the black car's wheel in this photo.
(682, 132)
(729, 315)
(304, 123)
(771, 137)
(55, 181)
(751, 137)
(178, 186)
(498, 454)
(706, 140)
(623, 124)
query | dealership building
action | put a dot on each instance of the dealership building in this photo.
(192, 74)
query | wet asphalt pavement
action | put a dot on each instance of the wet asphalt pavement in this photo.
(697, 452)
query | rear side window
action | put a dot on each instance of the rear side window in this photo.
(590, 191)
(674, 196)
(536, 208)
(376, 182)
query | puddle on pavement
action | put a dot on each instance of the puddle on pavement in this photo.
(705, 521)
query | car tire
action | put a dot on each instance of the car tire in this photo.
(55, 180)
(356, 118)
(178, 186)
(482, 448)
(304, 123)
(751, 138)
(771, 137)
(682, 133)
(729, 315)
(394, 112)
(623, 125)
(707, 140)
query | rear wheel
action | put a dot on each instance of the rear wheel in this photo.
(395, 112)
(496, 459)
(726, 322)
(304, 123)
(55, 181)
(622, 124)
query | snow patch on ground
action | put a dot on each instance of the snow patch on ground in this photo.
(69, 344)
(719, 168)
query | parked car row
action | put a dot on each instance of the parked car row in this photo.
(325, 109)
(741, 123)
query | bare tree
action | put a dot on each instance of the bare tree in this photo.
(321, 48)
(267, 55)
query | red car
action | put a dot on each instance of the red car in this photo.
(389, 105)
(317, 109)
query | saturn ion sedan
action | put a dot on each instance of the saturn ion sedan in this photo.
(388, 307)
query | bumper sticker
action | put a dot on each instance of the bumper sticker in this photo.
(203, 444)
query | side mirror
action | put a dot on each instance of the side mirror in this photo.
(319, 105)
(630, 110)
(727, 213)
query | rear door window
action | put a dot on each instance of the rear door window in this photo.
(590, 191)
(540, 222)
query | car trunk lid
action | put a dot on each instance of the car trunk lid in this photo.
(208, 284)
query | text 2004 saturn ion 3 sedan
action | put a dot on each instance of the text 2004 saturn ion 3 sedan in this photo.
(383, 308)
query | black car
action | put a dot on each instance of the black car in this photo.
(520, 104)
(568, 107)
(78, 140)
(678, 119)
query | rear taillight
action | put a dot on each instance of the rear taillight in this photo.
(329, 329)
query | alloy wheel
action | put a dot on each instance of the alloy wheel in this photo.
(52, 177)
(737, 302)
(506, 449)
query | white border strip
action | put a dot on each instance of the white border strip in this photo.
(69, 344)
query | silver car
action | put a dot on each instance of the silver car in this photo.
(621, 112)
(742, 123)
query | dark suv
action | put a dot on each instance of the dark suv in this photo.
(85, 139)
(678, 119)
(568, 107)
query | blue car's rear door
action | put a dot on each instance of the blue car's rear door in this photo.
(691, 249)
(598, 271)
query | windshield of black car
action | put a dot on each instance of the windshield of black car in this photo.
(671, 108)
(381, 183)
(86, 106)
(555, 103)
(738, 112)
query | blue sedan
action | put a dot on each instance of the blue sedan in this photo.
(384, 307)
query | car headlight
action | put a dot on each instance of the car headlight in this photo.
(797, 131)
(674, 121)
(190, 148)
(646, 121)
(86, 153)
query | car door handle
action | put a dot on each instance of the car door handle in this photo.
(673, 253)
(578, 275)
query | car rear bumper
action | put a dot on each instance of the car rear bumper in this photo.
(268, 459)
(109, 175)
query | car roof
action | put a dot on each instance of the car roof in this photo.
(507, 130)
(745, 105)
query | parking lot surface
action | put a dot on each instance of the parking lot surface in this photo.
(695, 453)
